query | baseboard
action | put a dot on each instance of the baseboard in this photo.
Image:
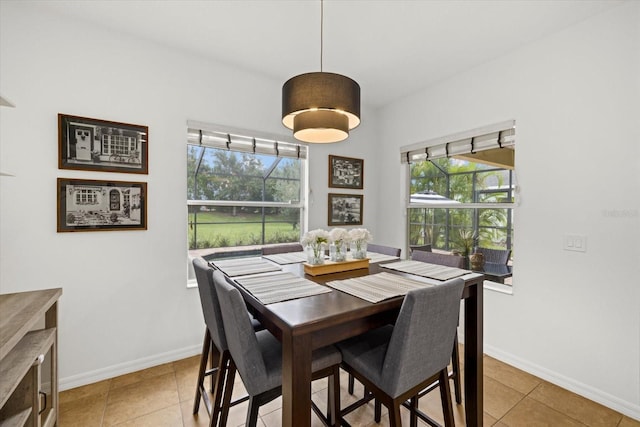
(90, 377)
(627, 408)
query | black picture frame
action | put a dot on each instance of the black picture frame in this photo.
(101, 145)
(97, 205)
(346, 172)
(345, 209)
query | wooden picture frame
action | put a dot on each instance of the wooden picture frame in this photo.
(101, 145)
(345, 209)
(93, 205)
(346, 172)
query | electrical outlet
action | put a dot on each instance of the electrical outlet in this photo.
(575, 242)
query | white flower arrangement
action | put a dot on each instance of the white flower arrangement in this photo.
(339, 236)
(360, 235)
(315, 237)
(359, 238)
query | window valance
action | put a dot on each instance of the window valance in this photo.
(499, 135)
(246, 141)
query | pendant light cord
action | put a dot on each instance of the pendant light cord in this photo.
(321, 31)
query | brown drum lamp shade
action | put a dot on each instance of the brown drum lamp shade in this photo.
(321, 107)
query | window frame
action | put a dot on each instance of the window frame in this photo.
(241, 136)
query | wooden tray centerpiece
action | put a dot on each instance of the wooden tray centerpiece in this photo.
(335, 267)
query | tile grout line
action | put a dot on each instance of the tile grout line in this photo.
(569, 416)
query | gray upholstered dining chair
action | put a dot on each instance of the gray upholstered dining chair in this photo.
(214, 345)
(438, 258)
(379, 249)
(257, 356)
(495, 256)
(396, 362)
(425, 248)
(382, 249)
(449, 261)
(280, 249)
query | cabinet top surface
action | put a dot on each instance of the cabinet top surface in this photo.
(19, 312)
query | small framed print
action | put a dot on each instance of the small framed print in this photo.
(345, 209)
(100, 145)
(346, 172)
(91, 205)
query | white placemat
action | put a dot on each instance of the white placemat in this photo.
(419, 268)
(244, 266)
(280, 286)
(377, 287)
(287, 258)
(375, 257)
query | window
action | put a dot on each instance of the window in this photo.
(86, 196)
(243, 191)
(119, 144)
(462, 191)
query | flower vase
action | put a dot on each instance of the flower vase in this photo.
(338, 252)
(315, 254)
(358, 250)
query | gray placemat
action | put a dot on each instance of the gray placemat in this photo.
(244, 266)
(377, 287)
(270, 288)
(432, 271)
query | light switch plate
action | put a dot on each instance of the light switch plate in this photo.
(575, 242)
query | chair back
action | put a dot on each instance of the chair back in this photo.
(425, 248)
(437, 258)
(241, 338)
(495, 256)
(422, 337)
(280, 249)
(209, 302)
(385, 250)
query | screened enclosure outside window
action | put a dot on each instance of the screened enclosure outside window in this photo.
(462, 190)
(469, 213)
(242, 198)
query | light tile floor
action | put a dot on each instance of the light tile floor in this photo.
(162, 396)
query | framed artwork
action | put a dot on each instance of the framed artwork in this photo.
(345, 209)
(100, 145)
(346, 172)
(91, 205)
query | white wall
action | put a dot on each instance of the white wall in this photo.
(574, 318)
(125, 304)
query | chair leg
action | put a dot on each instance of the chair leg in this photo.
(394, 416)
(203, 368)
(445, 396)
(455, 361)
(351, 384)
(228, 388)
(252, 412)
(413, 414)
(333, 399)
(377, 412)
(223, 381)
(212, 358)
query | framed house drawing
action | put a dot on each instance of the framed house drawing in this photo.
(101, 145)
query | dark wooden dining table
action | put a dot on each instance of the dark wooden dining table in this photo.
(305, 324)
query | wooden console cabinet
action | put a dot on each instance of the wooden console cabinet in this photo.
(29, 358)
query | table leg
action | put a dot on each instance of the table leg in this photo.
(473, 352)
(296, 381)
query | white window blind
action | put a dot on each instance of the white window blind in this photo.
(499, 135)
(225, 137)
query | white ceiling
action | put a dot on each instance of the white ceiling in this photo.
(391, 47)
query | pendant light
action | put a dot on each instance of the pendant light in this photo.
(321, 107)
